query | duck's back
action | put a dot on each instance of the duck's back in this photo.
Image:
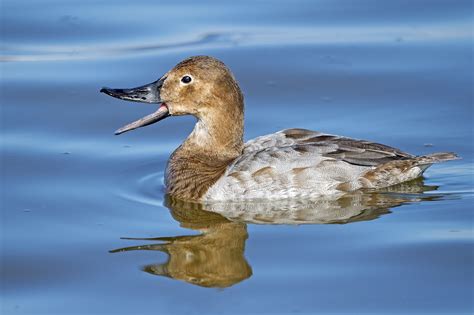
(299, 163)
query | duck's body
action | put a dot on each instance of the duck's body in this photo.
(213, 163)
(293, 163)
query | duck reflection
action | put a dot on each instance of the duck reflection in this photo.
(215, 258)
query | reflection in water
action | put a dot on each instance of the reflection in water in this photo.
(215, 258)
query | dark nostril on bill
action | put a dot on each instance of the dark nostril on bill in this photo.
(143, 98)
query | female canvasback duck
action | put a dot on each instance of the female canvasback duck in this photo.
(214, 164)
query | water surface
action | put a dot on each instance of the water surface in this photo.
(398, 73)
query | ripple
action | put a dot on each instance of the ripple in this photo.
(256, 36)
(62, 53)
(148, 189)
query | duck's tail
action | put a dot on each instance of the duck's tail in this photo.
(396, 172)
(436, 158)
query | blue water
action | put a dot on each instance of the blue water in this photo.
(398, 72)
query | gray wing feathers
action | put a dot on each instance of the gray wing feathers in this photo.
(353, 151)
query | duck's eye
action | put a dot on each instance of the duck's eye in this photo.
(186, 79)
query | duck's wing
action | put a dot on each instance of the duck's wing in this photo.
(353, 151)
(299, 163)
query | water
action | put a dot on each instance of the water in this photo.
(398, 73)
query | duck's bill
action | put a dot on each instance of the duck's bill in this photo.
(149, 93)
(160, 114)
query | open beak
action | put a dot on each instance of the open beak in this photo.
(149, 93)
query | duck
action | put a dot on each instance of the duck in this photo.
(214, 164)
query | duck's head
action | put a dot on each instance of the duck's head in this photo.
(201, 86)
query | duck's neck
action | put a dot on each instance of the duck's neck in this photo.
(219, 136)
(203, 157)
